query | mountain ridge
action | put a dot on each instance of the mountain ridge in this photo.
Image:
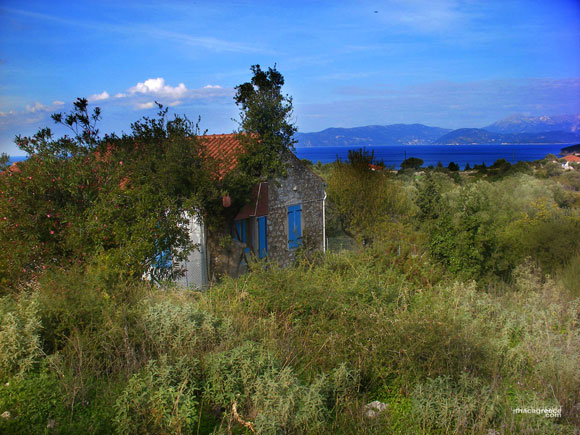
(515, 129)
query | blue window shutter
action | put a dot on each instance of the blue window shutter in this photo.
(262, 237)
(291, 240)
(298, 224)
(242, 232)
(294, 226)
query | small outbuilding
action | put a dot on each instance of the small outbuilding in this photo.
(282, 216)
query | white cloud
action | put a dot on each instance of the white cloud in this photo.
(158, 87)
(99, 97)
(147, 105)
(36, 107)
(39, 107)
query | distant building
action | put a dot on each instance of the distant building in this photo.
(570, 159)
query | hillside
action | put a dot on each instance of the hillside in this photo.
(515, 129)
(466, 136)
(536, 124)
(571, 149)
(416, 134)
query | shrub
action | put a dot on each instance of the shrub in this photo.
(278, 402)
(412, 163)
(178, 327)
(19, 335)
(159, 399)
(464, 405)
(31, 401)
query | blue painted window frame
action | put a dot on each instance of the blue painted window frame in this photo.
(294, 226)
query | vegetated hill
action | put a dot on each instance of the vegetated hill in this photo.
(417, 134)
(571, 149)
(536, 124)
(466, 136)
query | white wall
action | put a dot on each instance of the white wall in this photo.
(196, 264)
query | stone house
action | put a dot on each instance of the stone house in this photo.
(282, 216)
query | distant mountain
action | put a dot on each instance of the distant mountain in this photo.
(515, 129)
(466, 136)
(536, 124)
(403, 134)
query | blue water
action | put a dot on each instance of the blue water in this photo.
(13, 159)
(393, 155)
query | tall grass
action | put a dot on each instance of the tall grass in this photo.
(297, 350)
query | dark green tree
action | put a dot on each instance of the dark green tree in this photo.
(265, 126)
(4, 161)
(412, 163)
(453, 166)
(362, 160)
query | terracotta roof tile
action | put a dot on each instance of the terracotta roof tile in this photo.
(224, 148)
(571, 158)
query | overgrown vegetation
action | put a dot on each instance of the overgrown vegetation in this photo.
(459, 303)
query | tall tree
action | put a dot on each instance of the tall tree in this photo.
(265, 125)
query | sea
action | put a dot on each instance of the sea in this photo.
(393, 155)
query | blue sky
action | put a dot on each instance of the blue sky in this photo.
(447, 63)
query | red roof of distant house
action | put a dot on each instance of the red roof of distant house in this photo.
(571, 158)
(225, 148)
(375, 167)
(13, 168)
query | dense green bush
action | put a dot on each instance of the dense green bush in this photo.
(305, 348)
(159, 399)
(369, 205)
(179, 327)
(484, 228)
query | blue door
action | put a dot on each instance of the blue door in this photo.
(262, 236)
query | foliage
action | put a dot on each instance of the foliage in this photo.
(86, 347)
(119, 200)
(159, 399)
(366, 202)
(266, 131)
(412, 163)
(249, 377)
(181, 328)
(301, 349)
(440, 404)
(453, 166)
(19, 336)
(486, 228)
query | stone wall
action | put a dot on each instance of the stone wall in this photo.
(301, 186)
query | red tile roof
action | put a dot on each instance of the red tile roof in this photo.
(571, 158)
(12, 169)
(224, 148)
